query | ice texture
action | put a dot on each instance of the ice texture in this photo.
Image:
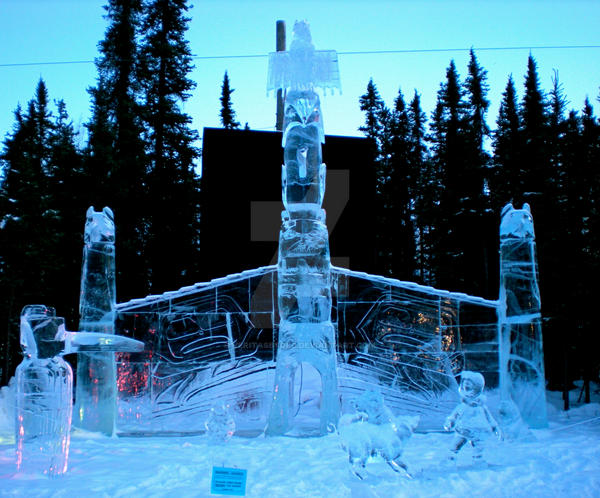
(44, 399)
(217, 341)
(306, 333)
(44, 395)
(471, 419)
(372, 430)
(303, 67)
(220, 424)
(95, 396)
(315, 331)
(521, 353)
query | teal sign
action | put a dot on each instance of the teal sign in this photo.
(228, 481)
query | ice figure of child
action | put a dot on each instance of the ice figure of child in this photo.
(471, 419)
(220, 424)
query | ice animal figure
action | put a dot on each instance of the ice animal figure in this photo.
(520, 320)
(45, 387)
(220, 424)
(306, 333)
(95, 395)
(374, 431)
(471, 419)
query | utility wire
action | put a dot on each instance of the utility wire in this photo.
(365, 52)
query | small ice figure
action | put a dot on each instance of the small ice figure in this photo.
(374, 431)
(511, 423)
(220, 424)
(471, 419)
(44, 399)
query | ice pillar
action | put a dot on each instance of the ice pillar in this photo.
(521, 354)
(306, 333)
(95, 396)
(44, 398)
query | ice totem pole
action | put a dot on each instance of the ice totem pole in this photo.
(44, 398)
(306, 333)
(520, 319)
(95, 395)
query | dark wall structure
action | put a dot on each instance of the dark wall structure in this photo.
(241, 205)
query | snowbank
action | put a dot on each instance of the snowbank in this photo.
(563, 460)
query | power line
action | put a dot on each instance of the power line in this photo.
(363, 52)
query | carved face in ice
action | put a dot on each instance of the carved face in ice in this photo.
(516, 223)
(302, 108)
(471, 384)
(99, 226)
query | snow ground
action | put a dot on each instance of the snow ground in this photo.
(561, 461)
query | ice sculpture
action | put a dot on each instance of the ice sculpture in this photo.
(373, 431)
(306, 333)
(230, 340)
(95, 396)
(44, 387)
(520, 321)
(512, 426)
(220, 425)
(471, 419)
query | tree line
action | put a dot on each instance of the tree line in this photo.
(139, 158)
(442, 182)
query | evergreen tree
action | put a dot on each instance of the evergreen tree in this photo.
(449, 137)
(116, 165)
(478, 104)
(477, 227)
(31, 246)
(173, 238)
(372, 104)
(377, 129)
(70, 199)
(396, 246)
(425, 191)
(506, 182)
(400, 193)
(582, 163)
(534, 122)
(227, 113)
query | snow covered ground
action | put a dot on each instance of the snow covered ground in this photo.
(563, 460)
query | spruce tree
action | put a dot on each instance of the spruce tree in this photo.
(534, 121)
(227, 113)
(377, 129)
(425, 193)
(116, 165)
(70, 199)
(477, 224)
(371, 104)
(450, 141)
(30, 269)
(173, 221)
(506, 182)
(399, 193)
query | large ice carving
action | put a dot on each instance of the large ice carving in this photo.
(306, 333)
(521, 354)
(318, 333)
(44, 387)
(96, 381)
